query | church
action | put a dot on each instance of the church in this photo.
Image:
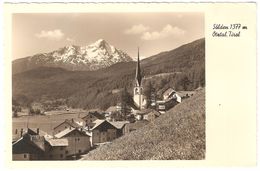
(139, 98)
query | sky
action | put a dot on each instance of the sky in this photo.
(153, 33)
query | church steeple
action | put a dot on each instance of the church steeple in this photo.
(139, 98)
(138, 76)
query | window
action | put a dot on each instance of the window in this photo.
(65, 127)
(61, 155)
(79, 151)
(66, 151)
(24, 156)
(78, 139)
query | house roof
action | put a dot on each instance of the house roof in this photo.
(64, 132)
(119, 124)
(96, 114)
(67, 131)
(31, 131)
(71, 122)
(79, 120)
(99, 122)
(96, 123)
(168, 92)
(58, 142)
(41, 133)
(29, 144)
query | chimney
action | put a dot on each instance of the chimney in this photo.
(21, 132)
(37, 131)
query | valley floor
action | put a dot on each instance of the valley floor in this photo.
(45, 122)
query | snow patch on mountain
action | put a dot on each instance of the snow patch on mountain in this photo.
(97, 55)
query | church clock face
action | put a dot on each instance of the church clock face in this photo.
(136, 90)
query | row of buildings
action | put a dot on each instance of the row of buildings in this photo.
(69, 140)
(77, 136)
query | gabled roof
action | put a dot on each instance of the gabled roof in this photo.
(41, 133)
(96, 114)
(168, 92)
(29, 144)
(119, 124)
(30, 131)
(67, 131)
(99, 122)
(58, 142)
(64, 132)
(96, 123)
(71, 122)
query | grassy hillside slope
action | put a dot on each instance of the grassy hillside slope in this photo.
(179, 134)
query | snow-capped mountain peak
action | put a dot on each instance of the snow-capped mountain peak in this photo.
(97, 55)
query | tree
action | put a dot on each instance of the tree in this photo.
(185, 82)
(15, 110)
(125, 101)
(148, 90)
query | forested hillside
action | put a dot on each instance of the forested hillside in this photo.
(185, 68)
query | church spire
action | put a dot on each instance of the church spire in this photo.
(138, 76)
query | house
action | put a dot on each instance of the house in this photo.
(161, 106)
(120, 125)
(92, 116)
(68, 123)
(78, 141)
(139, 114)
(170, 99)
(167, 94)
(151, 116)
(55, 149)
(30, 146)
(171, 94)
(165, 105)
(102, 131)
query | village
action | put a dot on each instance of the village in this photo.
(74, 137)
